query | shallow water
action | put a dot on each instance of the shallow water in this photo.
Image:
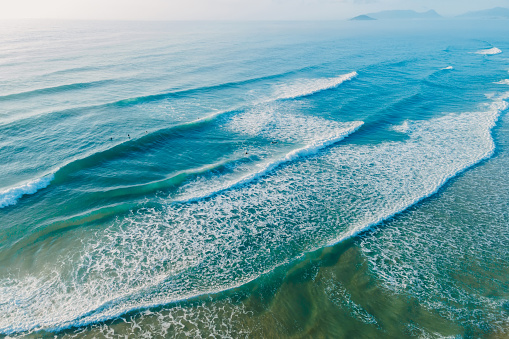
(261, 180)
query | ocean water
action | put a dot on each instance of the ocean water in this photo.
(272, 179)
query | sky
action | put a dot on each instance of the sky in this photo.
(226, 9)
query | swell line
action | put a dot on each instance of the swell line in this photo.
(55, 89)
(133, 101)
(128, 102)
(11, 196)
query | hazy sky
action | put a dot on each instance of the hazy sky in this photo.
(226, 9)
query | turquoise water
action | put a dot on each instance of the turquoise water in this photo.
(196, 179)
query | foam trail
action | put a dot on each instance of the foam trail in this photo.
(503, 82)
(313, 86)
(490, 51)
(308, 87)
(446, 68)
(289, 157)
(403, 128)
(12, 195)
(54, 89)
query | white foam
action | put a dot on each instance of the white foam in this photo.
(503, 82)
(306, 87)
(448, 67)
(285, 131)
(166, 254)
(403, 128)
(12, 195)
(490, 51)
(293, 155)
(339, 296)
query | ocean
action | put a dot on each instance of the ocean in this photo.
(257, 179)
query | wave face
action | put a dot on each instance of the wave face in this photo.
(177, 171)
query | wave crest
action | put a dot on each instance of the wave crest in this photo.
(307, 87)
(12, 195)
(489, 51)
(503, 82)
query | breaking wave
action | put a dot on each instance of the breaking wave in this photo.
(490, 51)
(12, 195)
(307, 87)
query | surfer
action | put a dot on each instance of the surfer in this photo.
(129, 136)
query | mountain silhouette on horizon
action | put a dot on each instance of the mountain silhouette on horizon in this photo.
(403, 14)
(492, 13)
(362, 18)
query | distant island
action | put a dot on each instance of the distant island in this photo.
(398, 14)
(494, 13)
(362, 18)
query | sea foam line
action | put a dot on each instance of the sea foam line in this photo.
(12, 195)
(291, 156)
